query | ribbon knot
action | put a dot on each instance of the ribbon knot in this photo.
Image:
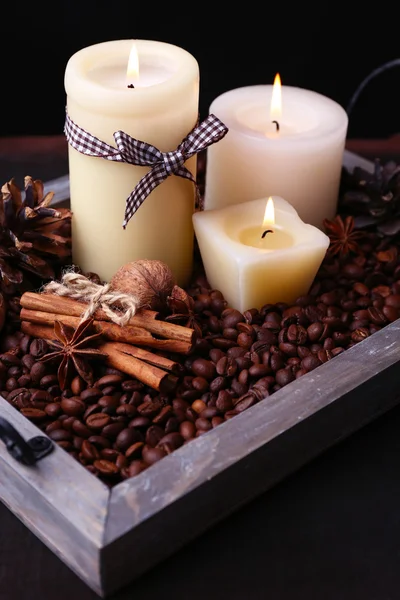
(173, 161)
(136, 152)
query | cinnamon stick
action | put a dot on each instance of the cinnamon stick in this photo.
(146, 319)
(139, 353)
(127, 334)
(149, 372)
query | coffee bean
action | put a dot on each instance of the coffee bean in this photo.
(109, 380)
(97, 421)
(187, 429)
(81, 429)
(33, 414)
(134, 451)
(99, 441)
(38, 348)
(391, 313)
(203, 424)
(174, 440)
(89, 451)
(126, 438)
(106, 467)
(38, 370)
(78, 385)
(91, 395)
(112, 430)
(152, 455)
(53, 409)
(60, 435)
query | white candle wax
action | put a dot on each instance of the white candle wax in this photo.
(161, 110)
(301, 162)
(251, 270)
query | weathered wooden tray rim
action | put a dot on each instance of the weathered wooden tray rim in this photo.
(206, 456)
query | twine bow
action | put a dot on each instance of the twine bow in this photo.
(77, 286)
(136, 152)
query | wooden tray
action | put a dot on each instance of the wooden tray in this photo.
(109, 537)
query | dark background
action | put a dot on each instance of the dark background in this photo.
(313, 46)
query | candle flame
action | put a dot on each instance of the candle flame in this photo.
(269, 215)
(132, 72)
(276, 99)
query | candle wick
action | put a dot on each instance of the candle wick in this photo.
(130, 86)
(277, 125)
(265, 233)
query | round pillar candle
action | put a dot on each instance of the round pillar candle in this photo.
(158, 105)
(295, 152)
(255, 261)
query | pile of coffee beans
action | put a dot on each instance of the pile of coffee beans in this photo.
(118, 427)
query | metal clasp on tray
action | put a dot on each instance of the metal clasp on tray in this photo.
(27, 452)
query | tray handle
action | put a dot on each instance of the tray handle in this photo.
(27, 452)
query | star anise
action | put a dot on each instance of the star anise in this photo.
(182, 307)
(73, 347)
(344, 239)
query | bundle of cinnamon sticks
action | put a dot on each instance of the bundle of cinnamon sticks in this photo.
(123, 347)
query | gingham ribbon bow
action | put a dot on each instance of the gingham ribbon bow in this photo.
(136, 152)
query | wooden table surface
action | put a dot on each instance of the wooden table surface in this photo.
(331, 530)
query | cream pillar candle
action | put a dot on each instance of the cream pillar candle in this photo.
(255, 255)
(160, 109)
(301, 161)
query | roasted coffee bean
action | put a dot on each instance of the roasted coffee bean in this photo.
(203, 424)
(89, 451)
(91, 395)
(227, 366)
(163, 415)
(107, 380)
(134, 451)
(98, 420)
(126, 438)
(152, 455)
(110, 403)
(140, 422)
(53, 426)
(187, 429)
(28, 360)
(174, 440)
(99, 441)
(34, 414)
(91, 409)
(310, 362)
(150, 408)
(112, 430)
(60, 435)
(41, 396)
(203, 368)
(78, 385)
(53, 409)
(106, 467)
(81, 429)
(38, 348)
(391, 313)
(109, 454)
(200, 384)
(73, 406)
(360, 334)
(38, 370)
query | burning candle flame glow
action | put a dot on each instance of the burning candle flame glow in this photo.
(276, 99)
(132, 72)
(269, 215)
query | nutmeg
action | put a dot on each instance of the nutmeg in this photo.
(149, 281)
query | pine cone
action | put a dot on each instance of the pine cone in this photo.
(373, 199)
(34, 238)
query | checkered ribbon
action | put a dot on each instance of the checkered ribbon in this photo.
(136, 152)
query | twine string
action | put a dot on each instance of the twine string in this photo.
(118, 307)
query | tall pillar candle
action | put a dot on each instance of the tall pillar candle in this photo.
(292, 149)
(159, 105)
